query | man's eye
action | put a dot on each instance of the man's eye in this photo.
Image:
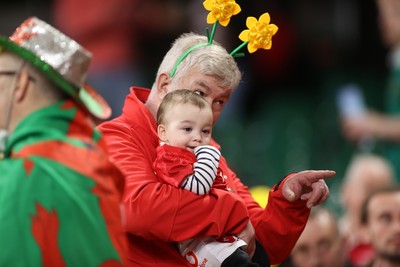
(386, 218)
(220, 102)
(200, 93)
(218, 105)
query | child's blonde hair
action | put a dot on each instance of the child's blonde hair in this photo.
(181, 96)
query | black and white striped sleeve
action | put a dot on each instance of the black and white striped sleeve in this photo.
(205, 170)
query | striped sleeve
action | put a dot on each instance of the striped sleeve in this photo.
(205, 170)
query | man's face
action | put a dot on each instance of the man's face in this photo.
(207, 87)
(8, 71)
(319, 245)
(384, 224)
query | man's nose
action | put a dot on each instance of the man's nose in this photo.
(209, 100)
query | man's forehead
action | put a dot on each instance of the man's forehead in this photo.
(385, 201)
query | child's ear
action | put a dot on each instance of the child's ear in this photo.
(162, 133)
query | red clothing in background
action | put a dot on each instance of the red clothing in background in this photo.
(158, 214)
(105, 28)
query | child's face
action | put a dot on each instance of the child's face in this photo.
(186, 126)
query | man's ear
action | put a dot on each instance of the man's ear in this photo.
(162, 84)
(162, 133)
(22, 85)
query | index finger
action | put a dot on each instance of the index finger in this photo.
(315, 175)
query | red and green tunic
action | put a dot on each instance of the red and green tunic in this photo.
(59, 194)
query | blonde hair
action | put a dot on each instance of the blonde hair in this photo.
(212, 60)
(179, 97)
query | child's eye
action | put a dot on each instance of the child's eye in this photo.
(187, 129)
(206, 131)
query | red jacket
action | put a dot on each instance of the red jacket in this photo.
(158, 214)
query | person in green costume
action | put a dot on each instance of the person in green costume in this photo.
(59, 193)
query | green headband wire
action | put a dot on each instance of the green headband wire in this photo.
(181, 58)
(235, 53)
(188, 51)
(210, 39)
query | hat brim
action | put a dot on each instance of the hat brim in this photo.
(85, 95)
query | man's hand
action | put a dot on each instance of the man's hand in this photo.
(248, 236)
(307, 185)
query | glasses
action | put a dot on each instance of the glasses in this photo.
(11, 73)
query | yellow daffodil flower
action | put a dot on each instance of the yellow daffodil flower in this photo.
(221, 10)
(259, 33)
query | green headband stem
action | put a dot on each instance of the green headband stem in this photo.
(211, 38)
(235, 53)
(188, 51)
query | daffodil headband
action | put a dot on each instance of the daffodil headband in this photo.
(258, 35)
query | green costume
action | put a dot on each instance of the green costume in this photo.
(59, 194)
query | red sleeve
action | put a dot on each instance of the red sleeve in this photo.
(157, 211)
(173, 164)
(279, 225)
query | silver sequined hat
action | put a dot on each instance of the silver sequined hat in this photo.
(63, 60)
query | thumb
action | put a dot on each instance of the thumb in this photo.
(289, 194)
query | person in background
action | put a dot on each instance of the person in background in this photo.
(366, 173)
(384, 126)
(167, 213)
(320, 244)
(59, 193)
(380, 215)
(186, 160)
